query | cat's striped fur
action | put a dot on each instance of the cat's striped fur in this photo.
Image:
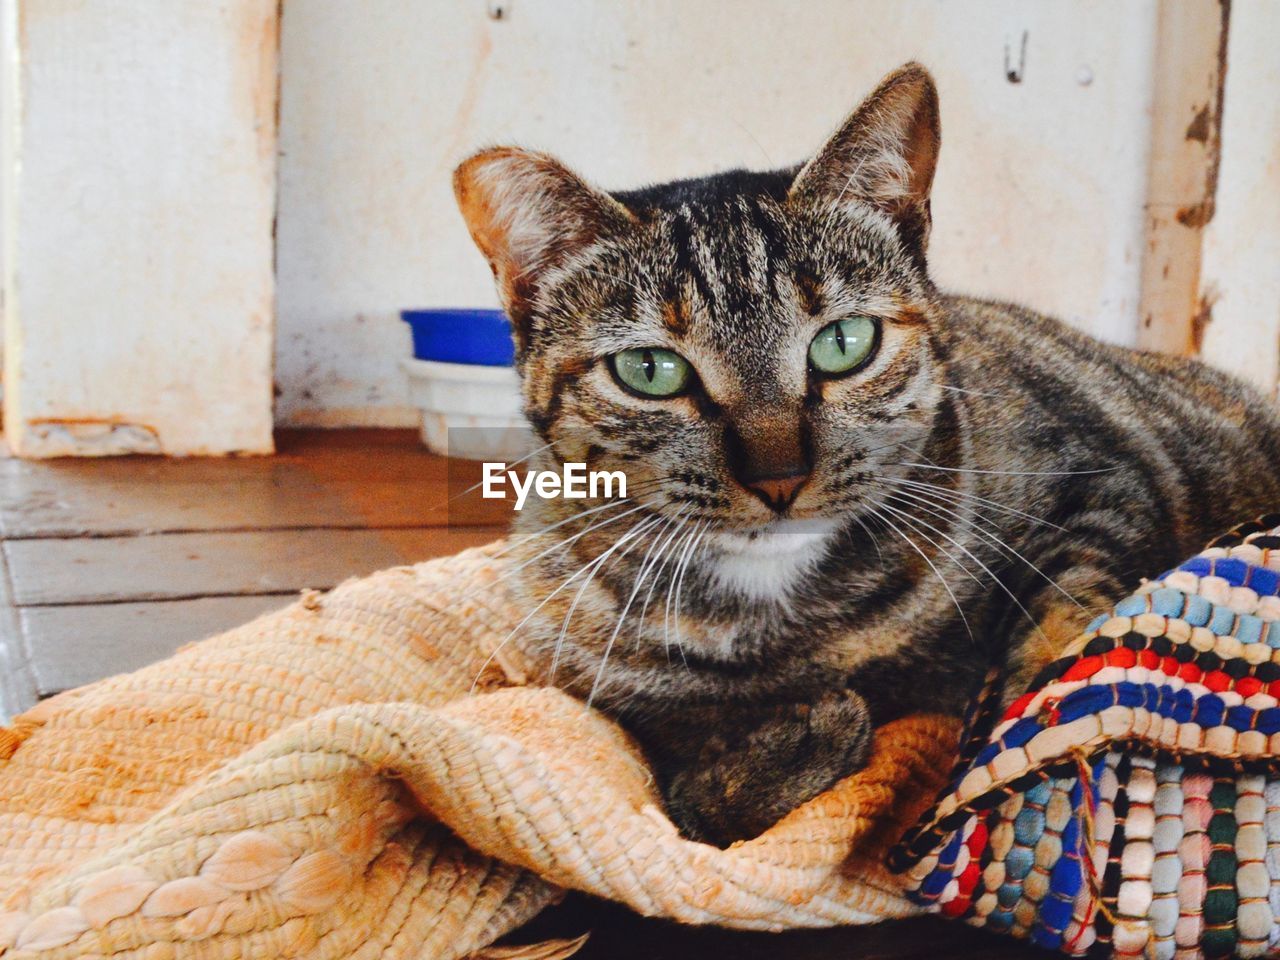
(988, 481)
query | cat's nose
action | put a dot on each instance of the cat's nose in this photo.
(777, 493)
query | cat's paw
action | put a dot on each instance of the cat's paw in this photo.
(751, 773)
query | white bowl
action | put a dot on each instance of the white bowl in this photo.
(479, 404)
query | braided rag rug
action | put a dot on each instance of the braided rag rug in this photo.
(331, 781)
(1129, 804)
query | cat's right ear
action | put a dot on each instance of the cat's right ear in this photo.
(527, 213)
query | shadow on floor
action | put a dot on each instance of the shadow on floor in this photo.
(618, 934)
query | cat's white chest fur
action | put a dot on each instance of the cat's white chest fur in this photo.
(767, 564)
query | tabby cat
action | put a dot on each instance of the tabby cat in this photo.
(850, 494)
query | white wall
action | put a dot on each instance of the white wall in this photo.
(139, 193)
(140, 176)
(1039, 196)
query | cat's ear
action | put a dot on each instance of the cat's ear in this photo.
(528, 213)
(883, 155)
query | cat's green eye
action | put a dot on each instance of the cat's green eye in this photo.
(651, 371)
(843, 346)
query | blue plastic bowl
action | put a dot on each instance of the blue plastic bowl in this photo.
(461, 335)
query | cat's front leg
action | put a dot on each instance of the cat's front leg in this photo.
(749, 768)
(1061, 611)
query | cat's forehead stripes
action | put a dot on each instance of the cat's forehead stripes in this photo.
(808, 292)
(675, 314)
(727, 253)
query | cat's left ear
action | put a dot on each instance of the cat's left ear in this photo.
(883, 155)
(528, 213)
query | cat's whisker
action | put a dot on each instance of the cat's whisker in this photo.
(971, 510)
(591, 568)
(666, 615)
(970, 554)
(979, 524)
(986, 501)
(874, 542)
(558, 545)
(972, 514)
(617, 629)
(884, 446)
(921, 526)
(529, 616)
(860, 455)
(524, 538)
(476, 486)
(693, 550)
(938, 510)
(661, 541)
(1008, 473)
(938, 573)
(647, 485)
(572, 538)
(628, 537)
(918, 527)
(966, 390)
(879, 522)
(650, 557)
(665, 558)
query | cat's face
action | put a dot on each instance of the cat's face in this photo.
(752, 349)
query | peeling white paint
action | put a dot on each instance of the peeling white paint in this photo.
(89, 439)
(1039, 195)
(1184, 144)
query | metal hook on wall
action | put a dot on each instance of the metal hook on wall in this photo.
(1014, 73)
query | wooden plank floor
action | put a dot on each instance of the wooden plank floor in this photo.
(111, 564)
(108, 565)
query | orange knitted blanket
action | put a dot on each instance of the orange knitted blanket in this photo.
(330, 781)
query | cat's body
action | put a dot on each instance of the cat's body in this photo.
(806, 553)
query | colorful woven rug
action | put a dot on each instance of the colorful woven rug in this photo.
(1129, 805)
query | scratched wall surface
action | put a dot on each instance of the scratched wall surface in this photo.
(139, 197)
(1039, 196)
(1239, 318)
